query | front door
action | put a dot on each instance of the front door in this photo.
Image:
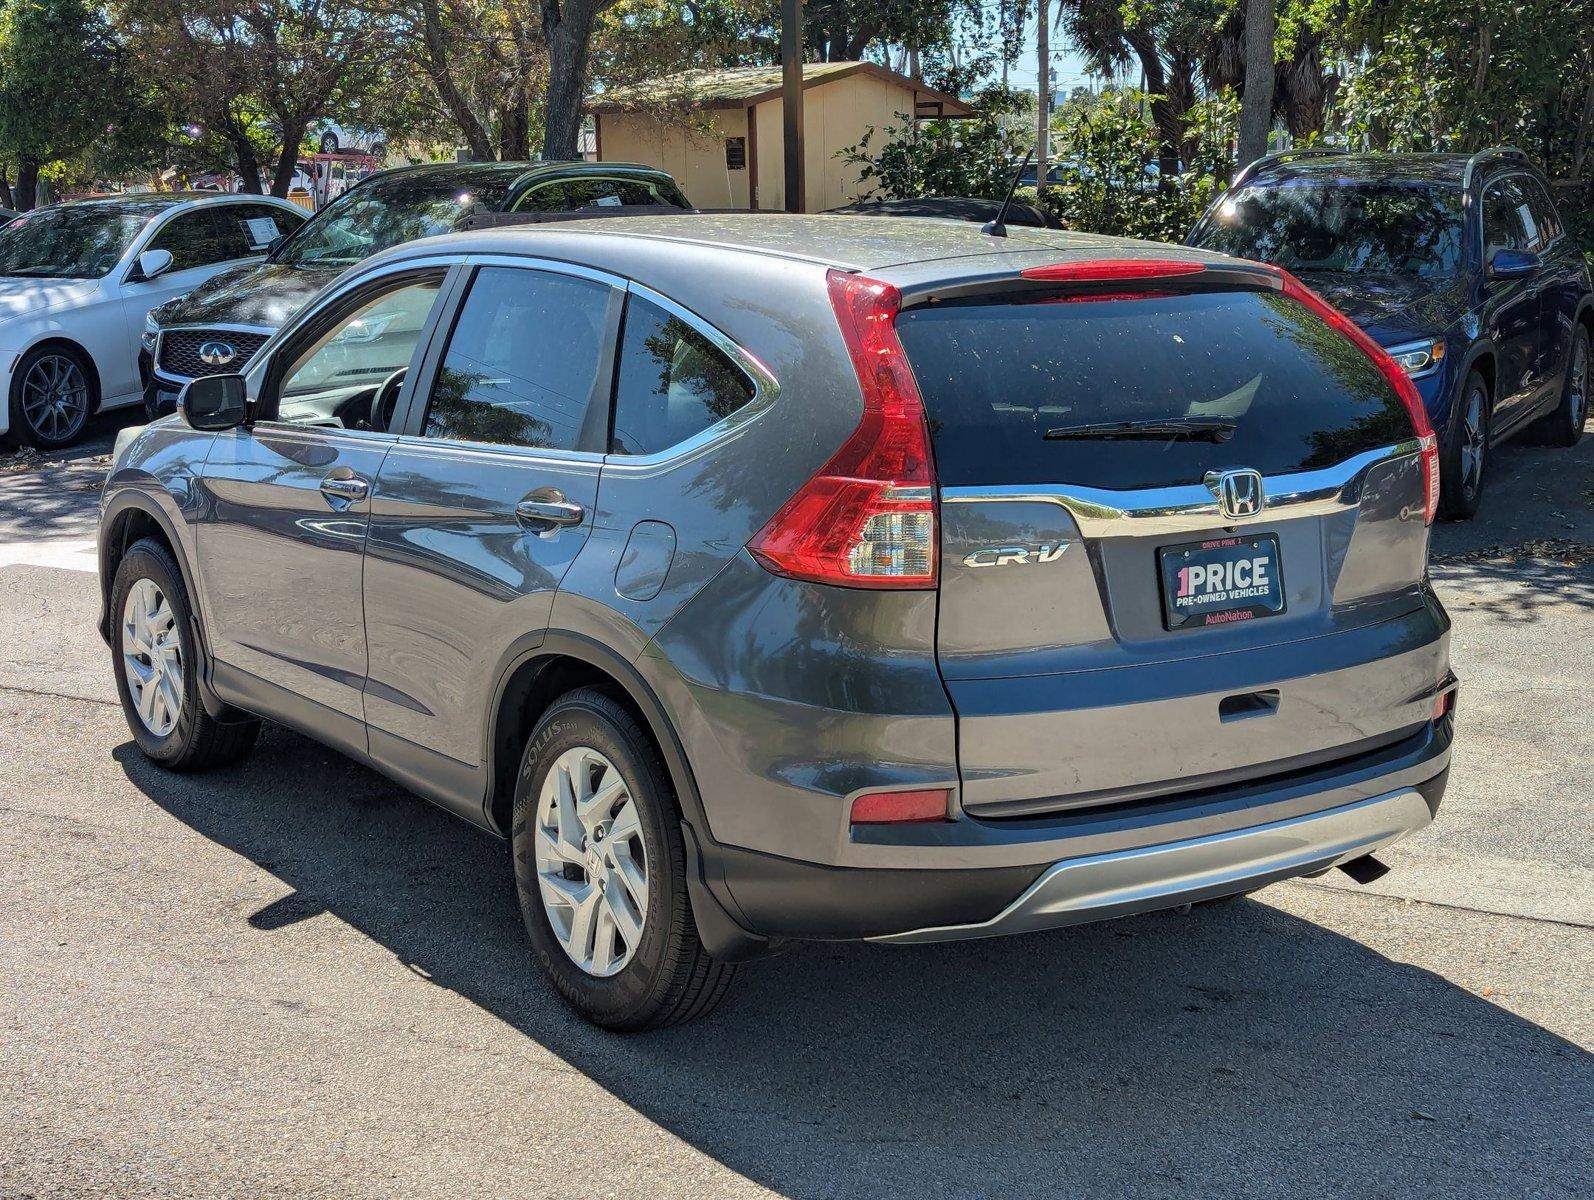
(288, 504)
(479, 510)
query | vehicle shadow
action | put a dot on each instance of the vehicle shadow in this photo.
(1236, 1050)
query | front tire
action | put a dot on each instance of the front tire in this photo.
(600, 867)
(53, 393)
(156, 666)
(1564, 425)
(1464, 452)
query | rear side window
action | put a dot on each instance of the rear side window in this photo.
(673, 383)
(996, 377)
(566, 194)
(522, 362)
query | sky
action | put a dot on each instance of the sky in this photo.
(1068, 68)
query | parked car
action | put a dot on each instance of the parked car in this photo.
(237, 311)
(1460, 267)
(76, 283)
(765, 577)
(344, 139)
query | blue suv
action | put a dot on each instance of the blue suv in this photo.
(1460, 267)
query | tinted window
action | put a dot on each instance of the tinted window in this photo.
(1402, 230)
(356, 353)
(566, 194)
(199, 238)
(522, 363)
(997, 377)
(399, 207)
(1543, 210)
(256, 226)
(673, 382)
(71, 241)
(1507, 222)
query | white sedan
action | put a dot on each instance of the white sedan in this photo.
(78, 280)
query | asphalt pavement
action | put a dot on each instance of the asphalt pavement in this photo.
(295, 979)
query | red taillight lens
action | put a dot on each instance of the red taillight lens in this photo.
(1444, 703)
(1391, 371)
(896, 808)
(867, 519)
(1108, 269)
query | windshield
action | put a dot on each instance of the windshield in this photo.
(70, 241)
(385, 211)
(1377, 229)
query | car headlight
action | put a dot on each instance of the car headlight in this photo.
(151, 332)
(1419, 358)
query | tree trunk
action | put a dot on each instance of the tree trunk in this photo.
(5, 191)
(292, 135)
(437, 70)
(26, 192)
(1256, 101)
(568, 29)
(248, 165)
(1170, 124)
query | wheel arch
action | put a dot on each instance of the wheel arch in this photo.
(536, 672)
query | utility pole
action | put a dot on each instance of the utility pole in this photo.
(791, 99)
(1043, 85)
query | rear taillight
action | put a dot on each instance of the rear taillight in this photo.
(1391, 371)
(867, 519)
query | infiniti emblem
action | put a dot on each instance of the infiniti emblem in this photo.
(216, 354)
(1240, 493)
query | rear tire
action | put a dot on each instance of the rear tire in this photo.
(1563, 426)
(1464, 451)
(600, 867)
(153, 656)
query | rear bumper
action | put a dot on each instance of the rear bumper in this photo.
(1119, 884)
(975, 877)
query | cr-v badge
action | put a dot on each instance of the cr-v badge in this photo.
(1001, 556)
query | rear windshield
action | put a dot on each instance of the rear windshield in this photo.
(996, 377)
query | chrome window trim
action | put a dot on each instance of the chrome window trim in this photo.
(1107, 512)
(766, 389)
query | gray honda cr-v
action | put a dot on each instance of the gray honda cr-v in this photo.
(765, 578)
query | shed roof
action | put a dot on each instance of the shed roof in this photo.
(738, 87)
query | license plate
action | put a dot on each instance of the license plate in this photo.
(1221, 581)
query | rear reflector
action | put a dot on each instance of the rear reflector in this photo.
(896, 808)
(867, 518)
(1111, 269)
(1390, 370)
(1443, 703)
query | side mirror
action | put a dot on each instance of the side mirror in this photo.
(214, 402)
(152, 264)
(1514, 264)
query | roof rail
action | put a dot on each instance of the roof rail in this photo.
(1484, 155)
(1278, 157)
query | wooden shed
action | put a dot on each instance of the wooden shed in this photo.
(719, 131)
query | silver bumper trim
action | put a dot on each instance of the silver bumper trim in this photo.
(1101, 886)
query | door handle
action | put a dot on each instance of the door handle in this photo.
(548, 507)
(345, 485)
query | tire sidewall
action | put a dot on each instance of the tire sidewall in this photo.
(23, 432)
(1454, 505)
(629, 995)
(147, 561)
(1573, 431)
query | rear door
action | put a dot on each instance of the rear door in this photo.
(1514, 305)
(483, 504)
(1562, 286)
(1108, 629)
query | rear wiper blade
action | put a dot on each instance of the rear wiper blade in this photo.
(1198, 428)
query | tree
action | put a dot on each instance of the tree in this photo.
(63, 85)
(567, 33)
(1256, 101)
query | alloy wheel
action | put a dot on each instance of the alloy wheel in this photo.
(1474, 442)
(1580, 383)
(55, 397)
(592, 866)
(153, 657)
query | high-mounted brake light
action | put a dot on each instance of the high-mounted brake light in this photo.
(867, 519)
(1104, 270)
(1390, 370)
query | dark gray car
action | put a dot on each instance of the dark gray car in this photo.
(766, 578)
